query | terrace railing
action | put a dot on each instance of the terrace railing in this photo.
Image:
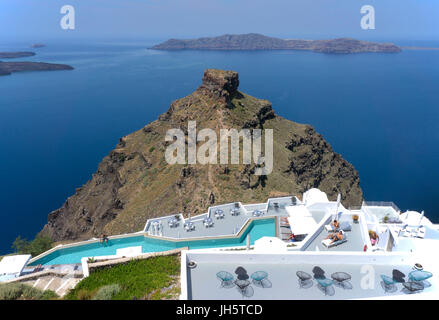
(381, 204)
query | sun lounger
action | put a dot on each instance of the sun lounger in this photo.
(286, 236)
(420, 233)
(329, 228)
(344, 225)
(329, 244)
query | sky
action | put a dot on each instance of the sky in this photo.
(313, 19)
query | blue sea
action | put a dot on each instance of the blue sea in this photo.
(380, 111)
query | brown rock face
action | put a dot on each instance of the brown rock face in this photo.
(134, 182)
(220, 84)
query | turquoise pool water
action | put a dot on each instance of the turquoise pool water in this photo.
(256, 229)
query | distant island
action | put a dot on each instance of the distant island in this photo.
(20, 54)
(37, 45)
(419, 48)
(253, 41)
(6, 68)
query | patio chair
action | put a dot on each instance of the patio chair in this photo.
(413, 286)
(234, 211)
(305, 279)
(398, 276)
(344, 225)
(208, 222)
(189, 226)
(419, 275)
(172, 222)
(219, 214)
(407, 232)
(325, 285)
(420, 232)
(388, 283)
(226, 279)
(329, 244)
(318, 272)
(341, 279)
(257, 213)
(260, 279)
(244, 288)
(38, 268)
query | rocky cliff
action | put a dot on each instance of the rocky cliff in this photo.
(134, 182)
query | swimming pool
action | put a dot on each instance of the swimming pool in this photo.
(256, 229)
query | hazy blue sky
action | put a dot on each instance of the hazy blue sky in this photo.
(410, 19)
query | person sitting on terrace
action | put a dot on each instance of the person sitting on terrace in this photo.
(335, 236)
(104, 238)
(374, 238)
(335, 225)
(292, 237)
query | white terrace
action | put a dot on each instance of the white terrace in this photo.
(222, 220)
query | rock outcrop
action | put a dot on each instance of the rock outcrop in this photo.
(134, 182)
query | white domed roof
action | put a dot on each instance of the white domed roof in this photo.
(314, 195)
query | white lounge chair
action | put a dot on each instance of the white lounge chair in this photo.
(344, 225)
(329, 244)
(420, 233)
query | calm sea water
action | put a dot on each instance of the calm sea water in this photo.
(380, 111)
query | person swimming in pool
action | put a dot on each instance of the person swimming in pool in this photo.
(335, 236)
(104, 239)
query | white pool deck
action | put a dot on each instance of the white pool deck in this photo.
(229, 225)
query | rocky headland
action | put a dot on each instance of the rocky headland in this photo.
(134, 182)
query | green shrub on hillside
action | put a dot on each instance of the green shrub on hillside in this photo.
(34, 247)
(136, 279)
(15, 291)
(107, 292)
(10, 291)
